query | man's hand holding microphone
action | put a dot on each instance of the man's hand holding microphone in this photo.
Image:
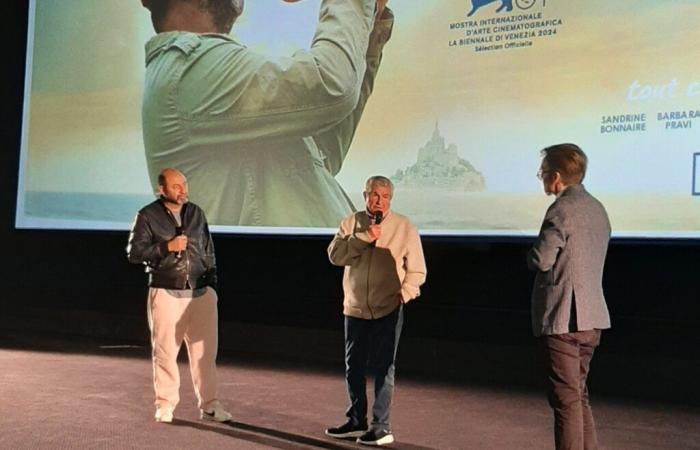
(375, 230)
(179, 243)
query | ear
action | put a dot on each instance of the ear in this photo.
(558, 183)
(238, 6)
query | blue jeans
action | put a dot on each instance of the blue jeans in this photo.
(370, 347)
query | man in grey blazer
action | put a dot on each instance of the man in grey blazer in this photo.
(568, 306)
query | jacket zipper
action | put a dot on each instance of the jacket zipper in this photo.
(187, 265)
(187, 258)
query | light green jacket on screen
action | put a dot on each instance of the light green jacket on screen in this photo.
(259, 138)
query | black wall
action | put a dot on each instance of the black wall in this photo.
(477, 291)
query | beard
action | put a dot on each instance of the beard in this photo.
(175, 199)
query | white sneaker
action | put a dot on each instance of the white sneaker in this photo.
(164, 414)
(216, 414)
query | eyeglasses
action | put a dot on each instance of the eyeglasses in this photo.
(540, 173)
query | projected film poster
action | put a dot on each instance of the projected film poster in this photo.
(466, 96)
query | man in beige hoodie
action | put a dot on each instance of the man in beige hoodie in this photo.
(384, 269)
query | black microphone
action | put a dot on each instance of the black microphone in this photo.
(179, 232)
(377, 221)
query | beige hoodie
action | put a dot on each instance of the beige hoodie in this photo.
(378, 276)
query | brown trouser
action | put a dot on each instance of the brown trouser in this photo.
(173, 320)
(566, 359)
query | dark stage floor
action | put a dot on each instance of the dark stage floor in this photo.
(80, 393)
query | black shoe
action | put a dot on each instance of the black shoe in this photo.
(376, 437)
(347, 430)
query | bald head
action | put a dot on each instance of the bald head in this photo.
(172, 187)
(169, 174)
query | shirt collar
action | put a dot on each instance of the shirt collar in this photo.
(571, 189)
(384, 216)
(184, 39)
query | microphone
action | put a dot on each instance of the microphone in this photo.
(378, 217)
(179, 232)
(377, 221)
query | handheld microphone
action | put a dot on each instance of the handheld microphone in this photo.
(377, 220)
(378, 217)
(179, 232)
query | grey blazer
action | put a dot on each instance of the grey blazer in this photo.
(569, 255)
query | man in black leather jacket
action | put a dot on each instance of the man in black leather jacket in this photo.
(171, 238)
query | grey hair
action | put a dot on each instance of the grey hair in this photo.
(381, 181)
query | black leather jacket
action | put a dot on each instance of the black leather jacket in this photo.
(153, 227)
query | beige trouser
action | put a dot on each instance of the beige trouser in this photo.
(195, 321)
